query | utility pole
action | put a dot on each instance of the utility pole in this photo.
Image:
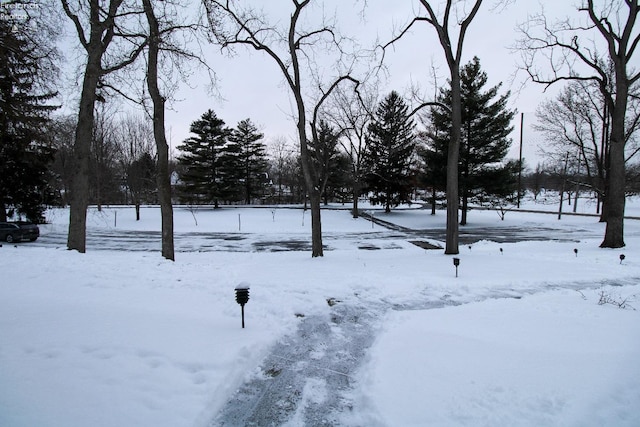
(520, 162)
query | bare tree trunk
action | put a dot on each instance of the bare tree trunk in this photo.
(356, 196)
(615, 197)
(613, 207)
(465, 206)
(316, 225)
(79, 183)
(604, 169)
(561, 200)
(434, 194)
(453, 154)
(163, 178)
(164, 193)
(310, 182)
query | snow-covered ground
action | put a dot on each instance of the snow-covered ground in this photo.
(115, 338)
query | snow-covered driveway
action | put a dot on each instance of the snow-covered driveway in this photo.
(107, 231)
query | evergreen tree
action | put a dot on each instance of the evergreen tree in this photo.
(24, 115)
(252, 159)
(486, 125)
(340, 183)
(390, 146)
(326, 159)
(432, 173)
(208, 167)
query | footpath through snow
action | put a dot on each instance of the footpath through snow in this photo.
(308, 376)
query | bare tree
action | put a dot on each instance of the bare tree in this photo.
(573, 52)
(136, 146)
(99, 30)
(574, 122)
(577, 121)
(104, 186)
(289, 48)
(453, 16)
(283, 162)
(350, 112)
(61, 133)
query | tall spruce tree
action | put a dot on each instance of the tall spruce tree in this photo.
(24, 115)
(252, 159)
(486, 125)
(208, 168)
(390, 146)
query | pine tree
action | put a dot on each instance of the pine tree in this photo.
(326, 159)
(252, 160)
(24, 150)
(209, 169)
(486, 125)
(390, 146)
(340, 183)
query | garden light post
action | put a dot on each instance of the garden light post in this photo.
(242, 297)
(456, 263)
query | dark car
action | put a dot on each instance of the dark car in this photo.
(30, 231)
(10, 232)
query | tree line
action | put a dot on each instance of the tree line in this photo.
(237, 165)
(218, 164)
(230, 165)
(121, 39)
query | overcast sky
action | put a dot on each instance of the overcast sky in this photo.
(251, 86)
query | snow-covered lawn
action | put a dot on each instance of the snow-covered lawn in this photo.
(129, 339)
(550, 359)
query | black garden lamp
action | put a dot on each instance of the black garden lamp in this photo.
(575, 251)
(242, 297)
(621, 258)
(456, 263)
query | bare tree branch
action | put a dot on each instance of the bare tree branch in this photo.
(76, 22)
